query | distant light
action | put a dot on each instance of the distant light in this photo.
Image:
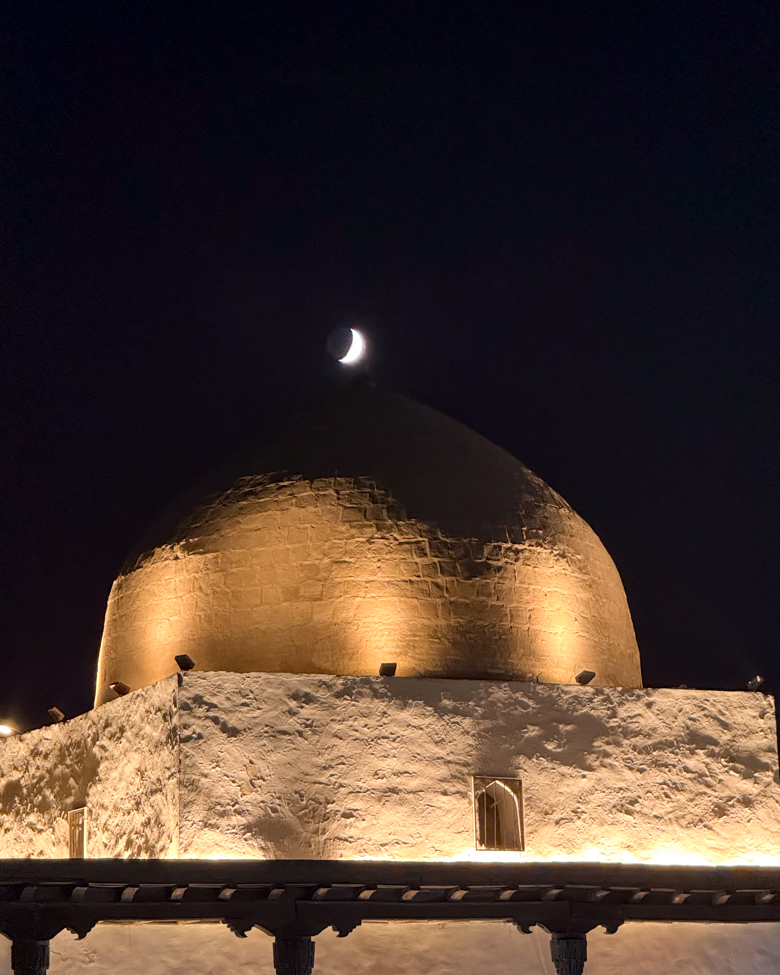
(585, 676)
(56, 715)
(387, 670)
(6, 730)
(184, 661)
(119, 688)
(755, 683)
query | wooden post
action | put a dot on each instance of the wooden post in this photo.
(569, 953)
(29, 957)
(293, 956)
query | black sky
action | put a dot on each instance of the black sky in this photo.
(558, 224)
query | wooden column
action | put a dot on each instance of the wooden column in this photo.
(293, 956)
(29, 957)
(569, 953)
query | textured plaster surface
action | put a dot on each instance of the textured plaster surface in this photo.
(120, 761)
(379, 530)
(287, 766)
(310, 766)
(470, 948)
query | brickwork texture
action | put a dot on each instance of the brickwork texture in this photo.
(436, 551)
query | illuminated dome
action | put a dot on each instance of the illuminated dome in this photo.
(375, 530)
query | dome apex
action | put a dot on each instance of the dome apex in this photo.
(438, 469)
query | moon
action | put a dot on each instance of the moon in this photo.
(356, 349)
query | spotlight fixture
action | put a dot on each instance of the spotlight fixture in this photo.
(56, 715)
(387, 670)
(184, 661)
(755, 683)
(119, 688)
(6, 730)
(585, 676)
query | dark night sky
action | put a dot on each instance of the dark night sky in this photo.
(559, 224)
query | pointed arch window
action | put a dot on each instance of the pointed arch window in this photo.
(498, 814)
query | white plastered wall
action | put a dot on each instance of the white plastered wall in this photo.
(120, 761)
(359, 767)
(283, 766)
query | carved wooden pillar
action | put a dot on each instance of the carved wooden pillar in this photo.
(569, 953)
(293, 956)
(29, 957)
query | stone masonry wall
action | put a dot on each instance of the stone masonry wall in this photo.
(330, 576)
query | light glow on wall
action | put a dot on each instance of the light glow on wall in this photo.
(662, 856)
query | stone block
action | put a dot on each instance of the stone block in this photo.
(310, 590)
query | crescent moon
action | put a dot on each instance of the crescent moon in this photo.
(356, 349)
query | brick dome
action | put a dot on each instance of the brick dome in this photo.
(374, 530)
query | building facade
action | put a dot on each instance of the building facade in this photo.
(395, 643)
